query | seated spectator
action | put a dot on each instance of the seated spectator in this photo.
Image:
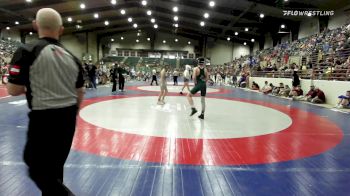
(276, 90)
(309, 95)
(344, 101)
(265, 86)
(268, 90)
(296, 92)
(243, 80)
(317, 97)
(285, 91)
(255, 86)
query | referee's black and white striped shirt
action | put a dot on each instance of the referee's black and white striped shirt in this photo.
(50, 73)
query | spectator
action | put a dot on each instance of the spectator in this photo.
(344, 101)
(154, 77)
(308, 97)
(114, 77)
(92, 74)
(296, 92)
(265, 86)
(285, 92)
(243, 80)
(277, 89)
(121, 76)
(318, 97)
(268, 90)
(175, 76)
(255, 86)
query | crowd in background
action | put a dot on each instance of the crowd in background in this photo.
(321, 55)
(327, 53)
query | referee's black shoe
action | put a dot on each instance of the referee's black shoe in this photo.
(201, 116)
(194, 110)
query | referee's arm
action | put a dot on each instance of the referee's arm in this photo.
(18, 71)
(80, 92)
(15, 89)
(79, 85)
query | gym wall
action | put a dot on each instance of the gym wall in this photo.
(221, 51)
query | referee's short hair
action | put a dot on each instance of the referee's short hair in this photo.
(48, 19)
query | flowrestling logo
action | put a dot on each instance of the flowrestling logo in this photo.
(307, 13)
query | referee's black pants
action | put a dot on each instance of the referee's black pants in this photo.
(114, 88)
(154, 78)
(49, 139)
(121, 83)
(175, 80)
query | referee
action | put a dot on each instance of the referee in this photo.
(52, 79)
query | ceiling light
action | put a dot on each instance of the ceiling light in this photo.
(262, 15)
(228, 39)
(82, 6)
(176, 40)
(122, 12)
(7, 28)
(137, 41)
(285, 0)
(106, 22)
(164, 41)
(144, 3)
(175, 9)
(155, 26)
(148, 39)
(236, 33)
(17, 23)
(78, 26)
(283, 26)
(30, 33)
(246, 29)
(96, 15)
(206, 15)
(212, 3)
(122, 38)
(69, 19)
(149, 12)
(176, 25)
(113, 2)
(112, 40)
(28, 1)
(189, 43)
(130, 19)
(138, 34)
(135, 25)
(202, 24)
(153, 20)
(245, 43)
(253, 40)
(176, 18)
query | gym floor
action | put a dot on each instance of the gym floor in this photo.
(248, 144)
